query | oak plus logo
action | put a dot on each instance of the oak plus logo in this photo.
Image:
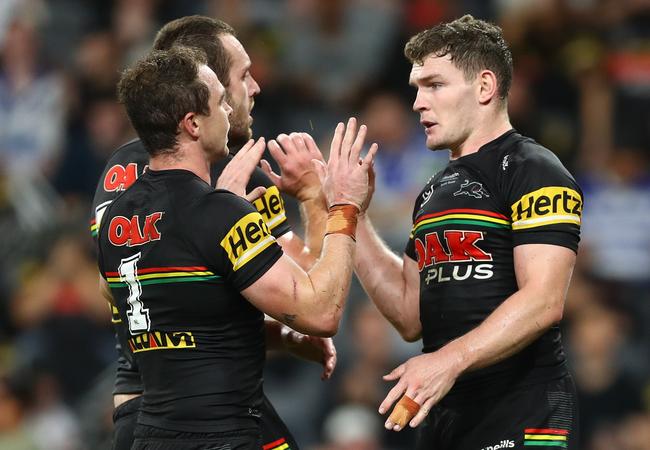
(451, 256)
(472, 189)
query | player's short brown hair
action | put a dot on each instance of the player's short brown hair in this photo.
(159, 90)
(473, 45)
(200, 32)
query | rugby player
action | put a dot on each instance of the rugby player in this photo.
(228, 58)
(485, 272)
(191, 270)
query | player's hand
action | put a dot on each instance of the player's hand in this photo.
(371, 188)
(238, 171)
(345, 178)
(294, 154)
(426, 379)
(313, 348)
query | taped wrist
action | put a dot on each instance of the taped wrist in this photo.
(342, 219)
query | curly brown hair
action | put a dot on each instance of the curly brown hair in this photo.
(473, 45)
(159, 90)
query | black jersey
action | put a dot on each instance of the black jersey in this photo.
(122, 170)
(129, 161)
(466, 222)
(176, 253)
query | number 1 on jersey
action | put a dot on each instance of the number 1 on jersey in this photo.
(137, 314)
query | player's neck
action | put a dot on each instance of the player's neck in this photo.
(185, 158)
(488, 129)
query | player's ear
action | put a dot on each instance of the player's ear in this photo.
(190, 124)
(487, 86)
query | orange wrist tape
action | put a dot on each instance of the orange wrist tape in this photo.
(342, 219)
(404, 411)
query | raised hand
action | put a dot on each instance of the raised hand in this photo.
(237, 173)
(345, 178)
(294, 154)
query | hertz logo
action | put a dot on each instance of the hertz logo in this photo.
(246, 239)
(547, 206)
(270, 206)
(160, 340)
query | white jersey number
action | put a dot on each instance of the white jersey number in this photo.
(137, 314)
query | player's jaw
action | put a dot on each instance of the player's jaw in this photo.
(240, 124)
(433, 134)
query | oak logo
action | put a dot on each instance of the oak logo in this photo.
(460, 246)
(246, 239)
(547, 206)
(161, 340)
(271, 207)
(120, 178)
(125, 231)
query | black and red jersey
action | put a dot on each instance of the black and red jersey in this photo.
(466, 222)
(124, 167)
(176, 253)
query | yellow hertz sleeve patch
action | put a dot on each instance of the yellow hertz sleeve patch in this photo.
(547, 206)
(271, 207)
(246, 239)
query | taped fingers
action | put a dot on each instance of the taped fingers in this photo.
(405, 410)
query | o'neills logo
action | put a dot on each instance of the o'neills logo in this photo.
(129, 232)
(547, 206)
(246, 239)
(160, 340)
(507, 443)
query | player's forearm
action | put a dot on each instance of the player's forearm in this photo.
(314, 217)
(329, 284)
(381, 273)
(515, 324)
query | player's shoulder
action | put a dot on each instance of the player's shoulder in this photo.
(224, 203)
(523, 151)
(130, 152)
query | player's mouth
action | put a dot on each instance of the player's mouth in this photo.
(428, 125)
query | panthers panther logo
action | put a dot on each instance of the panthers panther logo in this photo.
(473, 189)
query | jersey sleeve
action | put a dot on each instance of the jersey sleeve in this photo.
(543, 199)
(236, 240)
(271, 204)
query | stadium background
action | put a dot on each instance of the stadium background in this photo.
(581, 87)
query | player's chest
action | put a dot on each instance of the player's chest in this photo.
(459, 219)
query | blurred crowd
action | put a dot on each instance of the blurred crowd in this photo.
(581, 87)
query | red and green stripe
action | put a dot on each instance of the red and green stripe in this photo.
(280, 444)
(165, 275)
(477, 217)
(545, 437)
(94, 229)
